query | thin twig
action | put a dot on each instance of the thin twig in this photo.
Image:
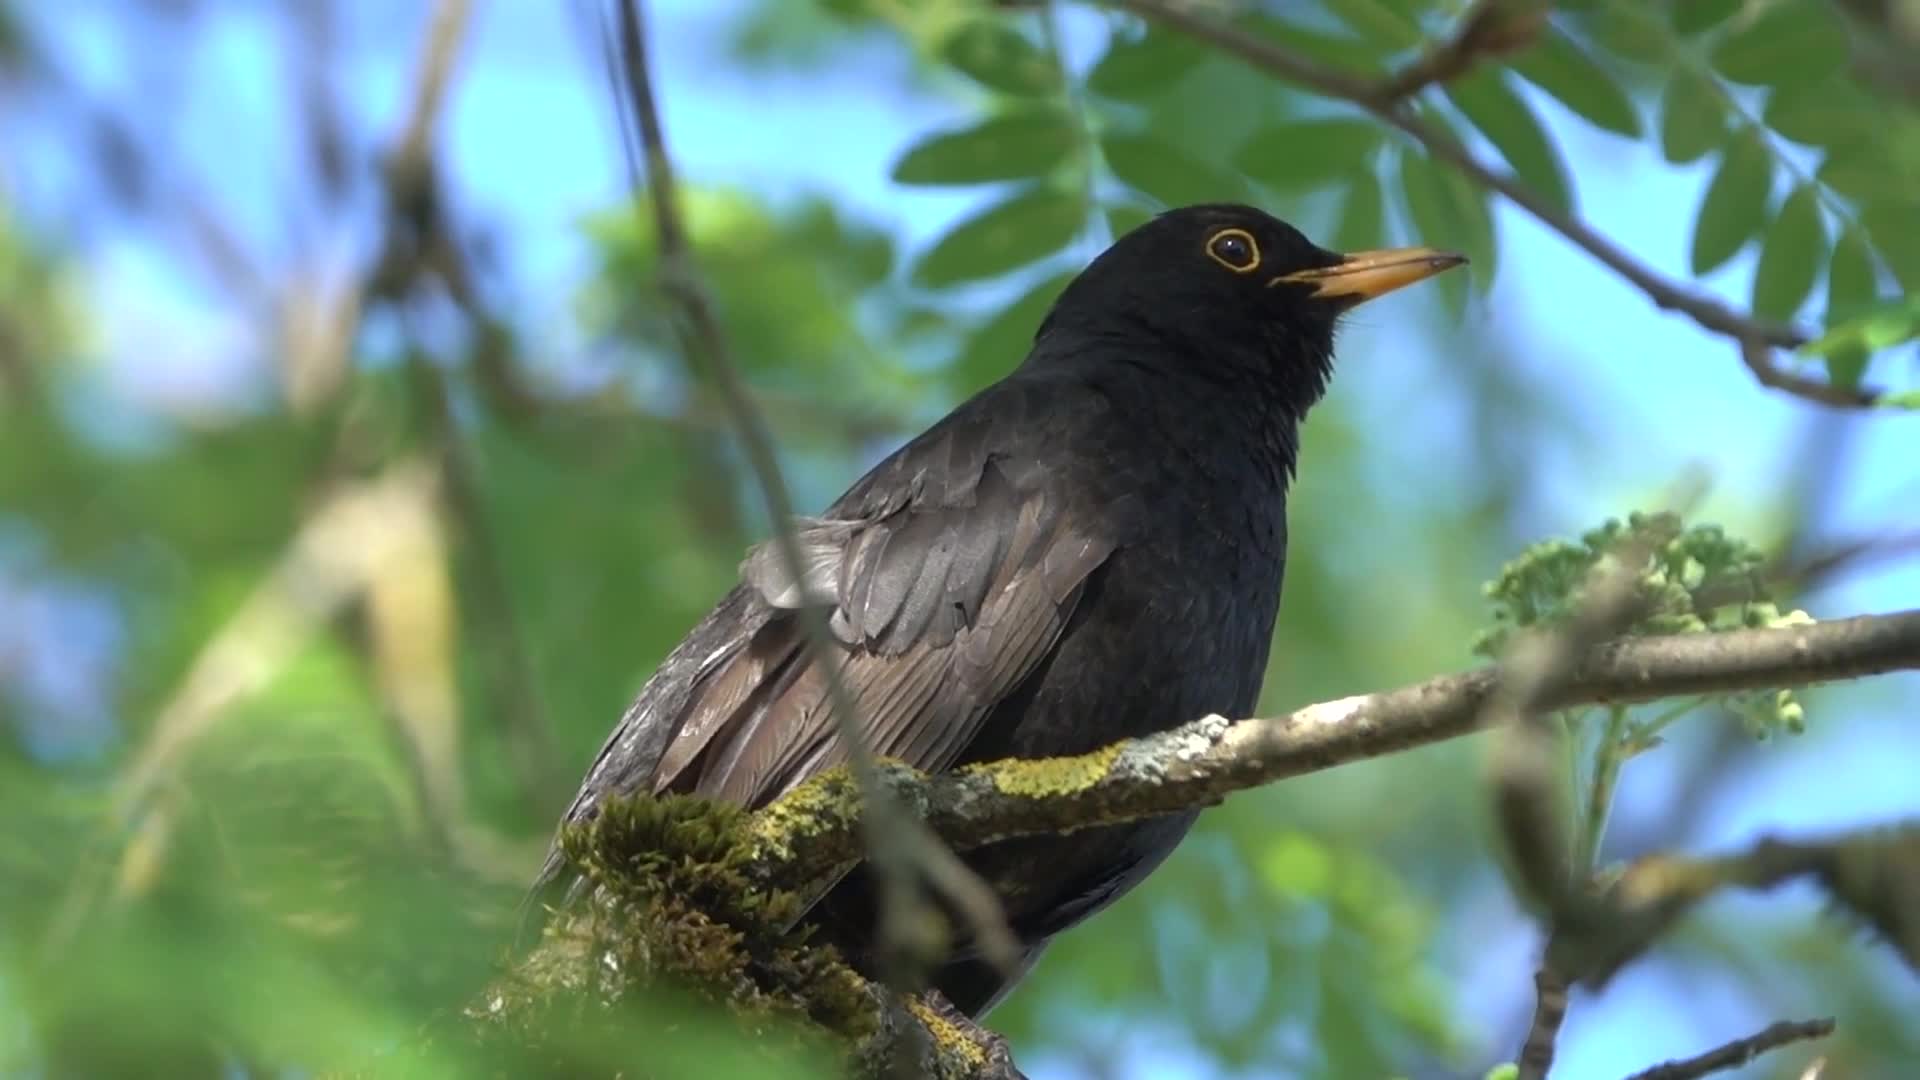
(1526, 798)
(903, 853)
(1536, 667)
(1740, 1051)
(1490, 28)
(1613, 754)
(1756, 338)
(1543, 1033)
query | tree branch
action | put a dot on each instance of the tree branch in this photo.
(1385, 101)
(1489, 28)
(1201, 762)
(773, 863)
(1873, 873)
(1739, 1052)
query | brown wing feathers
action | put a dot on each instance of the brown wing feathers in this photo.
(941, 617)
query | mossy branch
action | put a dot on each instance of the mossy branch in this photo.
(711, 897)
(812, 835)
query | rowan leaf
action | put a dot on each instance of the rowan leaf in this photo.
(1693, 121)
(1853, 283)
(1509, 123)
(1028, 226)
(1010, 146)
(1438, 217)
(1308, 154)
(1574, 79)
(1363, 215)
(1790, 41)
(1166, 171)
(1140, 67)
(1790, 256)
(1735, 208)
(999, 58)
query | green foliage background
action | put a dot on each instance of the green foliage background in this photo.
(332, 762)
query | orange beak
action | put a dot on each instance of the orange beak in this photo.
(1365, 275)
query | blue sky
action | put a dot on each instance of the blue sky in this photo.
(529, 143)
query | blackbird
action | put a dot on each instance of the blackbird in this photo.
(1088, 550)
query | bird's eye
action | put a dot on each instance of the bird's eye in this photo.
(1234, 249)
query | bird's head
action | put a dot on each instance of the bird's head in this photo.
(1232, 292)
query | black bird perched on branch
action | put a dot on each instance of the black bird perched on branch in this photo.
(1088, 550)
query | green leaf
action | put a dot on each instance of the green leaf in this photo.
(1478, 239)
(999, 344)
(997, 57)
(1011, 146)
(1564, 70)
(1505, 119)
(1438, 216)
(1892, 226)
(1847, 365)
(1694, 16)
(1831, 113)
(1123, 218)
(1790, 258)
(1852, 281)
(1882, 326)
(1167, 172)
(1309, 154)
(1363, 216)
(1693, 121)
(1735, 208)
(1793, 41)
(1379, 22)
(1137, 68)
(1865, 172)
(1333, 49)
(1031, 225)
(1633, 32)
(1906, 399)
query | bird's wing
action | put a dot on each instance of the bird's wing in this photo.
(940, 610)
(950, 575)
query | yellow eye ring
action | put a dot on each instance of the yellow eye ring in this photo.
(1235, 249)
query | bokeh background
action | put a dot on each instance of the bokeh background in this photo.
(341, 514)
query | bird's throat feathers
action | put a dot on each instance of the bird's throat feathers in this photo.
(1244, 394)
(1276, 362)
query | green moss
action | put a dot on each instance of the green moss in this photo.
(951, 1042)
(1050, 776)
(679, 898)
(828, 802)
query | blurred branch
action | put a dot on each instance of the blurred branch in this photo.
(529, 729)
(339, 549)
(1756, 338)
(1490, 28)
(1543, 1032)
(339, 552)
(1887, 40)
(903, 853)
(419, 244)
(1873, 873)
(1823, 564)
(444, 37)
(1527, 800)
(413, 232)
(1739, 1052)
